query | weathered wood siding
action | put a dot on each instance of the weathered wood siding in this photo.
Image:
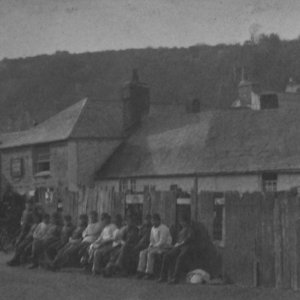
(262, 231)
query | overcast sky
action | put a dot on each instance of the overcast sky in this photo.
(30, 27)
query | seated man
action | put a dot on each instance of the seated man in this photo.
(39, 232)
(66, 233)
(90, 234)
(144, 235)
(175, 258)
(123, 257)
(109, 238)
(22, 248)
(26, 221)
(68, 252)
(51, 236)
(160, 242)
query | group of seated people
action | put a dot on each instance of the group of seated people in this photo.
(106, 247)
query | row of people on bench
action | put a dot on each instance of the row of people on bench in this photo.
(105, 247)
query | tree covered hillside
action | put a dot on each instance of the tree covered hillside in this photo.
(33, 89)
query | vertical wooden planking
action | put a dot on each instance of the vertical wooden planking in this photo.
(147, 202)
(91, 198)
(79, 201)
(86, 200)
(119, 207)
(206, 210)
(230, 225)
(169, 207)
(100, 201)
(194, 205)
(76, 197)
(240, 262)
(293, 238)
(267, 261)
(155, 202)
(246, 232)
(286, 242)
(298, 252)
(107, 202)
(66, 202)
(278, 244)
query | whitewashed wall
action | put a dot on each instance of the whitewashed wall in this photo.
(242, 183)
(286, 181)
(161, 184)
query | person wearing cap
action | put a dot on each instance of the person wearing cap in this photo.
(160, 242)
(123, 258)
(175, 259)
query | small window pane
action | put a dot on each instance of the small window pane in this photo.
(42, 159)
(269, 182)
(16, 167)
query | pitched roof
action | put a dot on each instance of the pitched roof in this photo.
(289, 99)
(232, 141)
(86, 118)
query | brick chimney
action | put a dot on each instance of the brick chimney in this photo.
(136, 101)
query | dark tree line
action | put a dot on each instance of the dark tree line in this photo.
(33, 89)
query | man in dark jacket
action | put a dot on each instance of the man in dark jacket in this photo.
(123, 258)
(144, 235)
(51, 236)
(23, 249)
(175, 259)
(69, 251)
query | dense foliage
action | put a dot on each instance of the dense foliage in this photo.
(32, 89)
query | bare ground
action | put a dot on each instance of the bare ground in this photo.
(21, 283)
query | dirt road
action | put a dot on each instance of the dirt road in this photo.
(23, 284)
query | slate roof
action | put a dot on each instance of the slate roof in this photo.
(215, 142)
(85, 119)
(288, 99)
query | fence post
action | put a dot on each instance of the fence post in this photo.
(278, 244)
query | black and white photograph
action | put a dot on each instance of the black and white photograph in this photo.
(149, 149)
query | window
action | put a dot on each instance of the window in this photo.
(219, 220)
(269, 182)
(16, 167)
(42, 159)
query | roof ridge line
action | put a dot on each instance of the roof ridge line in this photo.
(83, 108)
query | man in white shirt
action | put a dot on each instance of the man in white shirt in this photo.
(99, 250)
(160, 241)
(93, 230)
(90, 234)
